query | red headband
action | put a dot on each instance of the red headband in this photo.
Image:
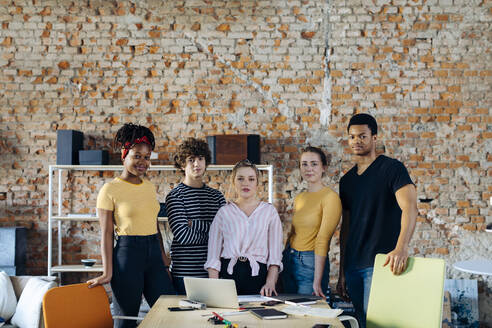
(129, 145)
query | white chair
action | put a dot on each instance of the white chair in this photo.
(353, 322)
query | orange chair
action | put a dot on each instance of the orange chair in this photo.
(77, 306)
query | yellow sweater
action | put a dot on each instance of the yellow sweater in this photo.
(316, 216)
(135, 206)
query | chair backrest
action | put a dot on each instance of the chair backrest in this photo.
(412, 299)
(77, 306)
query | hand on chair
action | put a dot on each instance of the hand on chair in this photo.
(101, 280)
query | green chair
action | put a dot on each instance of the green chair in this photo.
(412, 299)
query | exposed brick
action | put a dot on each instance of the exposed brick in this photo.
(307, 34)
(63, 65)
(223, 28)
(201, 69)
(45, 12)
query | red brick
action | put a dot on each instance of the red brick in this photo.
(223, 28)
(45, 12)
(63, 65)
(308, 34)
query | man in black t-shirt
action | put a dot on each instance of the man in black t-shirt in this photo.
(379, 210)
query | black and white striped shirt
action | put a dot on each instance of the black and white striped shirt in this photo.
(189, 246)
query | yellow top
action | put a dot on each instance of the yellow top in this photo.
(316, 216)
(135, 206)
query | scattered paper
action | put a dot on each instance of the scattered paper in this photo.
(252, 298)
(315, 312)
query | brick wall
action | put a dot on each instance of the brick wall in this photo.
(291, 71)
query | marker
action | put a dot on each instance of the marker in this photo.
(227, 322)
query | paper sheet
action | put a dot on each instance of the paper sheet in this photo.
(316, 312)
(252, 298)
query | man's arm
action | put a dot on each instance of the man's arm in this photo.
(406, 197)
(185, 231)
(344, 230)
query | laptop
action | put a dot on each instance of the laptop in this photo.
(220, 293)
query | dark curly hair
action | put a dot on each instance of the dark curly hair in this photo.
(129, 132)
(191, 147)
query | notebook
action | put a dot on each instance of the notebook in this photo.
(269, 314)
(219, 293)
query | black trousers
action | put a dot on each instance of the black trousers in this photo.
(138, 269)
(241, 274)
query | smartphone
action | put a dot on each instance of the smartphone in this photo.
(271, 303)
(177, 308)
(322, 325)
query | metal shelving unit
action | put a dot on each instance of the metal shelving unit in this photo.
(60, 217)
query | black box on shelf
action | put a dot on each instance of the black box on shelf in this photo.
(93, 157)
(230, 149)
(68, 144)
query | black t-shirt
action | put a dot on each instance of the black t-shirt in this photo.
(375, 216)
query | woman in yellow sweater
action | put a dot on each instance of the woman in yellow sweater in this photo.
(128, 206)
(316, 215)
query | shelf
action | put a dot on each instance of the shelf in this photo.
(84, 218)
(75, 218)
(211, 167)
(77, 268)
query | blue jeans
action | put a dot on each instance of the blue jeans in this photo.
(138, 269)
(358, 284)
(298, 273)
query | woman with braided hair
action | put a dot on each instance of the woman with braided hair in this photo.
(127, 207)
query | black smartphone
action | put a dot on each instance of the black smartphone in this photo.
(271, 303)
(177, 308)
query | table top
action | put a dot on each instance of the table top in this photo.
(483, 267)
(160, 316)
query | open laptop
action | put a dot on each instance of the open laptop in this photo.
(219, 293)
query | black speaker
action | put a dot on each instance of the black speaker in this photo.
(230, 149)
(13, 245)
(68, 144)
(93, 157)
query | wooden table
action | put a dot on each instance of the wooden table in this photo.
(160, 316)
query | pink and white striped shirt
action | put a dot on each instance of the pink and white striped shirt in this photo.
(257, 237)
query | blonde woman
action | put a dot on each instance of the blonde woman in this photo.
(245, 239)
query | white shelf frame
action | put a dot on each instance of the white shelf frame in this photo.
(52, 219)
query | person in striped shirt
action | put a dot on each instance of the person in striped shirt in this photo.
(245, 239)
(191, 206)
